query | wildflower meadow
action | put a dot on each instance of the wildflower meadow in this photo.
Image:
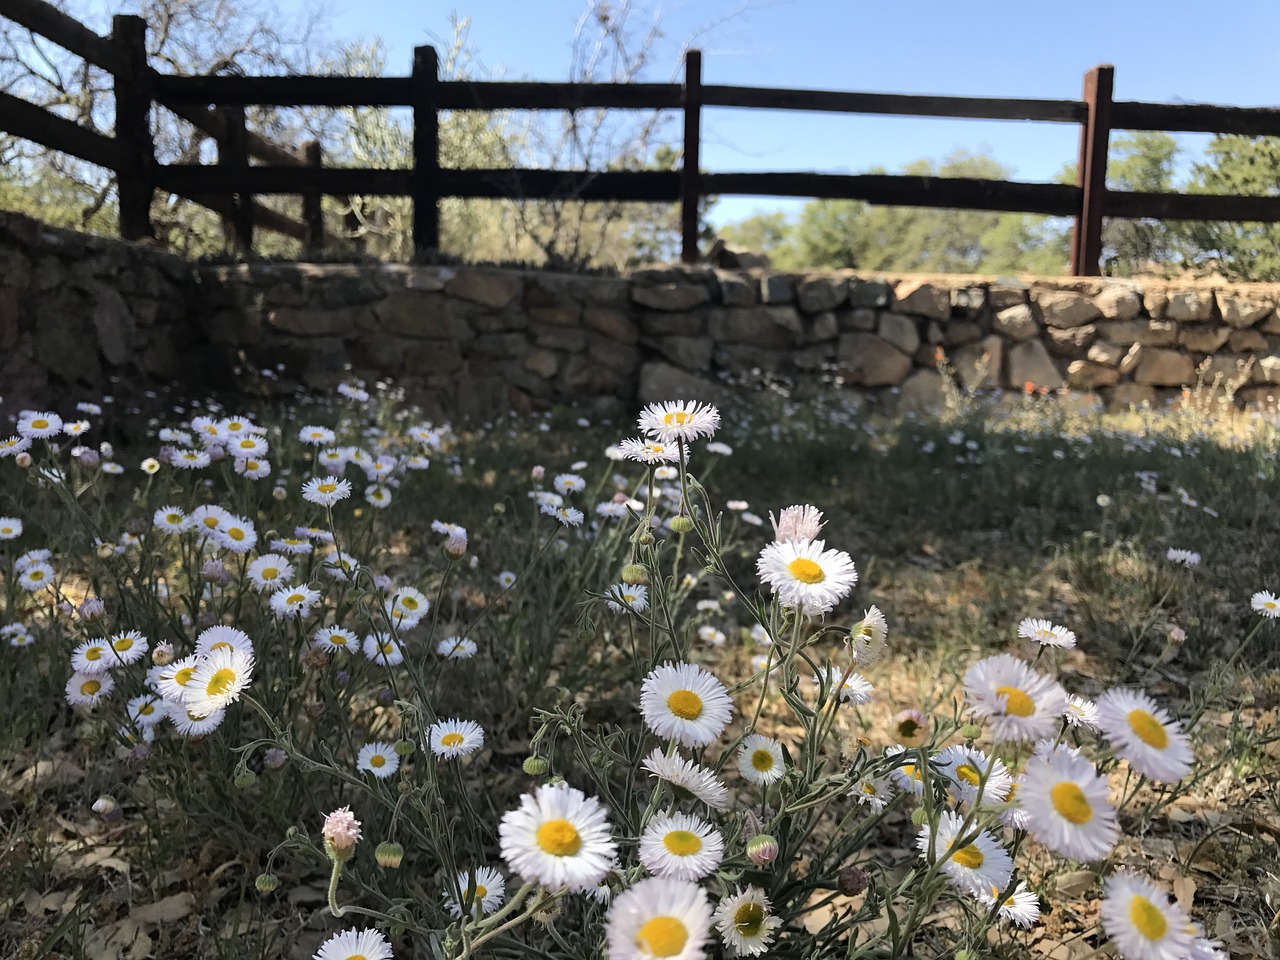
(759, 678)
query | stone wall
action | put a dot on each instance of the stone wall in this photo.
(81, 316)
(77, 311)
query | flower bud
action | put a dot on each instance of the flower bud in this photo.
(266, 882)
(341, 832)
(23, 459)
(162, 653)
(245, 779)
(536, 766)
(635, 573)
(971, 731)
(107, 808)
(645, 538)
(918, 817)
(389, 855)
(105, 550)
(404, 748)
(681, 525)
(762, 849)
(91, 609)
(274, 758)
(280, 493)
(852, 880)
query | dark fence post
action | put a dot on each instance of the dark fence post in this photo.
(312, 212)
(233, 152)
(426, 149)
(691, 101)
(1091, 175)
(135, 180)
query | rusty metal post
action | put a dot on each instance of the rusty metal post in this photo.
(1091, 175)
(132, 87)
(690, 186)
(426, 149)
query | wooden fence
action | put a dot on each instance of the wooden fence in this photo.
(229, 187)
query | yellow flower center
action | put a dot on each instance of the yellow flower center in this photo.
(388, 648)
(235, 533)
(748, 919)
(220, 682)
(685, 704)
(762, 760)
(377, 761)
(806, 571)
(969, 856)
(173, 517)
(183, 676)
(327, 487)
(1016, 702)
(40, 424)
(270, 573)
(338, 640)
(1148, 729)
(679, 418)
(1070, 802)
(409, 603)
(93, 653)
(122, 644)
(90, 687)
(662, 937)
(146, 710)
(682, 842)
(869, 789)
(969, 774)
(295, 598)
(211, 522)
(451, 739)
(248, 444)
(36, 574)
(481, 892)
(1147, 918)
(911, 771)
(559, 838)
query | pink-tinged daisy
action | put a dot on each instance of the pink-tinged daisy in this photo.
(806, 575)
(802, 522)
(1145, 735)
(1021, 703)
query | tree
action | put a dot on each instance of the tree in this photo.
(1248, 166)
(1142, 161)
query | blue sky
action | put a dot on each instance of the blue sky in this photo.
(1163, 50)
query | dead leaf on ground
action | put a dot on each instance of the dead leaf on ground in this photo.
(171, 908)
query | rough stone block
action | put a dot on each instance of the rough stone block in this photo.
(671, 297)
(866, 360)
(691, 353)
(423, 316)
(764, 326)
(735, 291)
(868, 294)
(1150, 333)
(1030, 362)
(862, 320)
(425, 358)
(921, 391)
(311, 322)
(1203, 339)
(1189, 306)
(1002, 296)
(572, 339)
(489, 288)
(1084, 375)
(980, 366)
(959, 332)
(656, 323)
(543, 363)
(1107, 354)
(1241, 311)
(923, 299)
(823, 327)
(816, 294)
(1017, 322)
(900, 331)
(776, 288)
(968, 300)
(1247, 341)
(1164, 368)
(1119, 301)
(1071, 343)
(614, 324)
(662, 381)
(1064, 308)
(620, 357)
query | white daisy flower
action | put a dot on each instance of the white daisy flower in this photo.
(191, 459)
(10, 528)
(128, 646)
(92, 656)
(558, 837)
(1066, 805)
(679, 420)
(659, 917)
(316, 436)
(1046, 634)
(355, 944)
(146, 709)
(325, 491)
(710, 634)
(37, 576)
(295, 602)
(1142, 922)
(89, 689)
(18, 634)
(649, 451)
(806, 575)
(850, 688)
(683, 702)
(685, 776)
(1022, 907)
(568, 516)
(217, 681)
(760, 759)
(506, 579)
(380, 759)
(1022, 704)
(456, 648)
(247, 447)
(171, 680)
(569, 483)
(965, 767)
(1263, 602)
(383, 648)
(906, 776)
(236, 534)
(333, 639)
(746, 926)
(253, 469)
(802, 522)
(171, 520)
(407, 606)
(378, 496)
(189, 724)
(868, 636)
(973, 861)
(719, 449)
(680, 846)
(292, 546)
(340, 566)
(1145, 735)
(38, 426)
(1188, 558)
(209, 517)
(1081, 712)
(627, 596)
(455, 738)
(485, 894)
(875, 792)
(269, 572)
(222, 637)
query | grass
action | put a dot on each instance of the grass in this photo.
(960, 524)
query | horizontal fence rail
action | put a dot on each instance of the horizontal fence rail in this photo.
(214, 105)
